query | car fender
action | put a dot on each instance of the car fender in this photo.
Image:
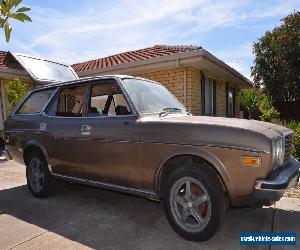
(198, 152)
(39, 145)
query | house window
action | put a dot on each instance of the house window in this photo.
(230, 102)
(208, 96)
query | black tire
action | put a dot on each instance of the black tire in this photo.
(208, 179)
(47, 184)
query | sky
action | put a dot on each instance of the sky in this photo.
(72, 31)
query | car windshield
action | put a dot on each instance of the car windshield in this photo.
(150, 97)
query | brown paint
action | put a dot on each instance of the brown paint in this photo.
(131, 151)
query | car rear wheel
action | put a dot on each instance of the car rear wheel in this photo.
(39, 179)
(194, 203)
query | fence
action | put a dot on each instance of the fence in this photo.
(289, 110)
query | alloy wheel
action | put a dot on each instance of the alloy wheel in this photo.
(190, 204)
(36, 175)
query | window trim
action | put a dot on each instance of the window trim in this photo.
(58, 91)
(87, 83)
(123, 91)
(213, 95)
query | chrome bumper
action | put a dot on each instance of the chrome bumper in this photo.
(281, 179)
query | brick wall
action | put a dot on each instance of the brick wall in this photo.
(194, 90)
(173, 80)
(221, 98)
(237, 104)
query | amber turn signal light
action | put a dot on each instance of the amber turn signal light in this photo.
(251, 161)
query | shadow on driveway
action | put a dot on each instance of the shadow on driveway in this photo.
(78, 216)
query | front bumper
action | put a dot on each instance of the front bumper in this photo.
(283, 178)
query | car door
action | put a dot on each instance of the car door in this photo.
(109, 137)
(63, 123)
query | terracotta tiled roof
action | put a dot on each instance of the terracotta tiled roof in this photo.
(2, 59)
(130, 56)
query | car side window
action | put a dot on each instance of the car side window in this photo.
(106, 99)
(35, 102)
(69, 102)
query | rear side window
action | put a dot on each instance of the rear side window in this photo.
(35, 102)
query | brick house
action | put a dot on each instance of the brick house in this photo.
(205, 84)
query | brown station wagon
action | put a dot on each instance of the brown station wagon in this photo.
(132, 135)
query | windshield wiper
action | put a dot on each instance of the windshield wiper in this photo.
(167, 111)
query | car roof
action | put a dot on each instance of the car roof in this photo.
(86, 80)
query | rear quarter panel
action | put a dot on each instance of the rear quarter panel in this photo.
(22, 131)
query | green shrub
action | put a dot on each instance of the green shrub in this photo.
(256, 100)
(291, 124)
(296, 152)
(14, 91)
(268, 111)
(269, 115)
(249, 100)
(294, 125)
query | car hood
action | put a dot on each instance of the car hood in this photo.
(252, 125)
(215, 130)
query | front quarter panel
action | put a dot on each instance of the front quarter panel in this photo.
(223, 148)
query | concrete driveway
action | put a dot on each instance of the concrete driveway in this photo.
(80, 217)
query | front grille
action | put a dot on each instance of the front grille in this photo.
(288, 146)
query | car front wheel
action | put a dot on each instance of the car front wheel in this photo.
(194, 203)
(39, 179)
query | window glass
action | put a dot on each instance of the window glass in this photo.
(69, 102)
(35, 102)
(208, 96)
(107, 100)
(151, 97)
(230, 102)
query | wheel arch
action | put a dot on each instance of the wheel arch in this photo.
(32, 145)
(192, 154)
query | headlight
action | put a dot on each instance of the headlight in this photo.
(278, 152)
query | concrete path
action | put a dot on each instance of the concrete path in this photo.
(80, 217)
